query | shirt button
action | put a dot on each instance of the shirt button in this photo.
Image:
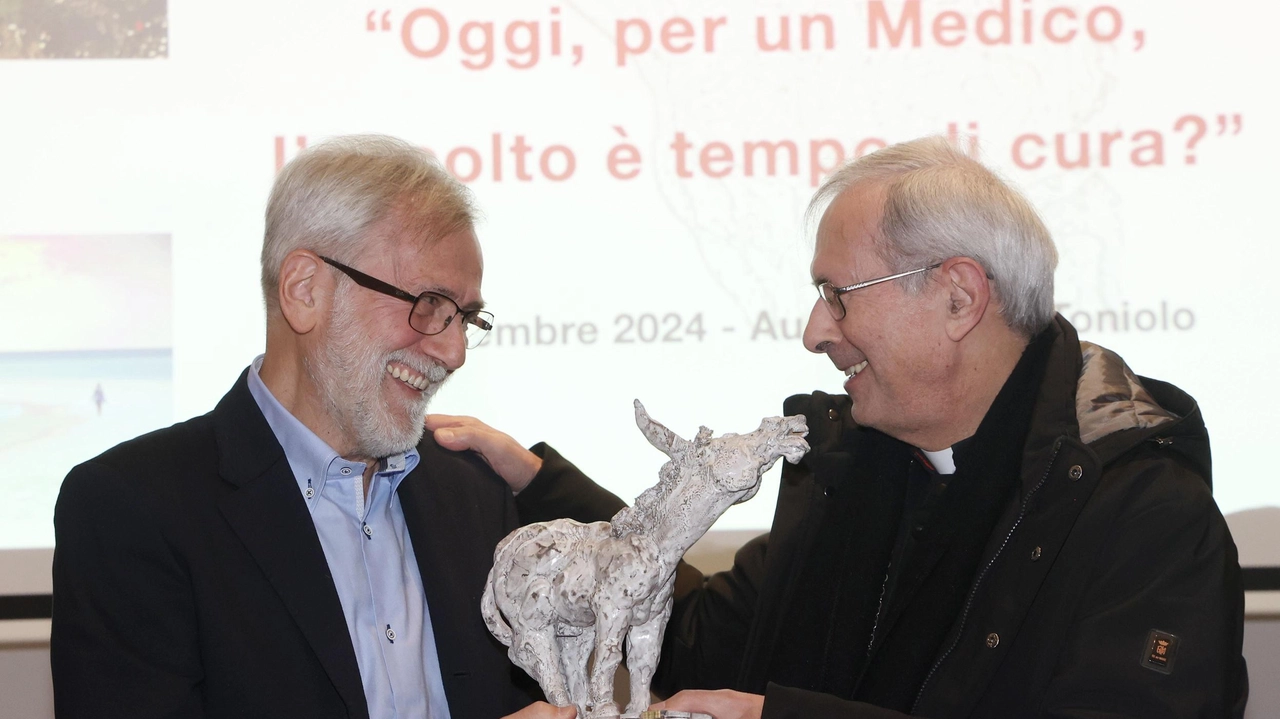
(368, 531)
(832, 414)
(310, 493)
(345, 470)
(1076, 472)
(391, 633)
(1035, 554)
(993, 640)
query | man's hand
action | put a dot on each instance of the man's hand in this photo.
(512, 462)
(721, 704)
(543, 710)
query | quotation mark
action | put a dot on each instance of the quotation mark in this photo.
(373, 24)
(1236, 123)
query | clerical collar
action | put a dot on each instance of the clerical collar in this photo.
(942, 460)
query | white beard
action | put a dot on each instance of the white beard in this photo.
(349, 372)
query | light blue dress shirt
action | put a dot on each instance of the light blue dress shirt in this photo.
(367, 546)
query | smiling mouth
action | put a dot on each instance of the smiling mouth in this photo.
(853, 371)
(409, 377)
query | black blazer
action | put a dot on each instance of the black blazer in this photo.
(189, 580)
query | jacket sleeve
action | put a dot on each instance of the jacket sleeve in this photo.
(711, 619)
(708, 636)
(123, 640)
(1170, 567)
(561, 490)
(789, 703)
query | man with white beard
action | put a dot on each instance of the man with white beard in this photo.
(302, 550)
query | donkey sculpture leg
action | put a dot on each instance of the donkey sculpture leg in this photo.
(644, 644)
(610, 633)
(574, 651)
(542, 643)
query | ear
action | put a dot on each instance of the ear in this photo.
(305, 291)
(968, 295)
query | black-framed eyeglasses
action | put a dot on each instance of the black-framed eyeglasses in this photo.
(431, 312)
(830, 294)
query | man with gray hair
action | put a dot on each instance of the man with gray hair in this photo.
(302, 550)
(995, 520)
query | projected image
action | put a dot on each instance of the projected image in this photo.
(47, 29)
(85, 362)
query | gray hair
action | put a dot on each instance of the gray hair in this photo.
(940, 203)
(329, 198)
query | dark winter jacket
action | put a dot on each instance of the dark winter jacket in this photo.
(1109, 586)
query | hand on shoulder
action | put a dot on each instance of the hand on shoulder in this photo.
(515, 464)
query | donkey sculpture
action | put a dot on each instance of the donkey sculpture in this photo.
(559, 590)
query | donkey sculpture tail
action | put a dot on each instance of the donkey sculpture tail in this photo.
(492, 617)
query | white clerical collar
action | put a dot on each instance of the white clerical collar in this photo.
(941, 460)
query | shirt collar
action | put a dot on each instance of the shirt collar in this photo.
(310, 457)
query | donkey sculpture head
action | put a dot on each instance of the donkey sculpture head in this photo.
(710, 473)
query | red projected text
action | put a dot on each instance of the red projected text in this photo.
(768, 158)
(1033, 22)
(687, 155)
(477, 44)
(543, 36)
(1108, 148)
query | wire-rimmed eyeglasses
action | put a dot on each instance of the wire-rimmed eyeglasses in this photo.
(431, 312)
(830, 294)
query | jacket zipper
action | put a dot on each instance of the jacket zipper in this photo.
(875, 626)
(973, 591)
